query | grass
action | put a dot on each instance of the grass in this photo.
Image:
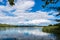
(53, 29)
(50, 29)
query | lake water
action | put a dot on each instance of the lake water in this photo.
(25, 33)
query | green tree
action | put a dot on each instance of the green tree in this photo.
(50, 25)
(11, 2)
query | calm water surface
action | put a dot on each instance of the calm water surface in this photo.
(25, 33)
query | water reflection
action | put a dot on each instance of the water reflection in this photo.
(25, 34)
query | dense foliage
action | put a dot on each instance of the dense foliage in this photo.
(55, 29)
(11, 2)
(7, 25)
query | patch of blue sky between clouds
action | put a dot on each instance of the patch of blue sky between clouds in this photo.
(3, 2)
(39, 3)
(37, 6)
(9, 13)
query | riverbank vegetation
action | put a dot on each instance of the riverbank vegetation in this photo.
(52, 28)
(7, 25)
(55, 29)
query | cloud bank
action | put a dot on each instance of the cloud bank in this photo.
(18, 14)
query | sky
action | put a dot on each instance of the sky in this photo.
(26, 12)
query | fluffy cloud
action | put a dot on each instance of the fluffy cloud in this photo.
(27, 18)
(22, 16)
(36, 22)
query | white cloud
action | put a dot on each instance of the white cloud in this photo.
(37, 22)
(24, 4)
(33, 15)
(22, 15)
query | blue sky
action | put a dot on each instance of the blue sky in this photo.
(27, 12)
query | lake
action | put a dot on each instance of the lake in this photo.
(25, 33)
